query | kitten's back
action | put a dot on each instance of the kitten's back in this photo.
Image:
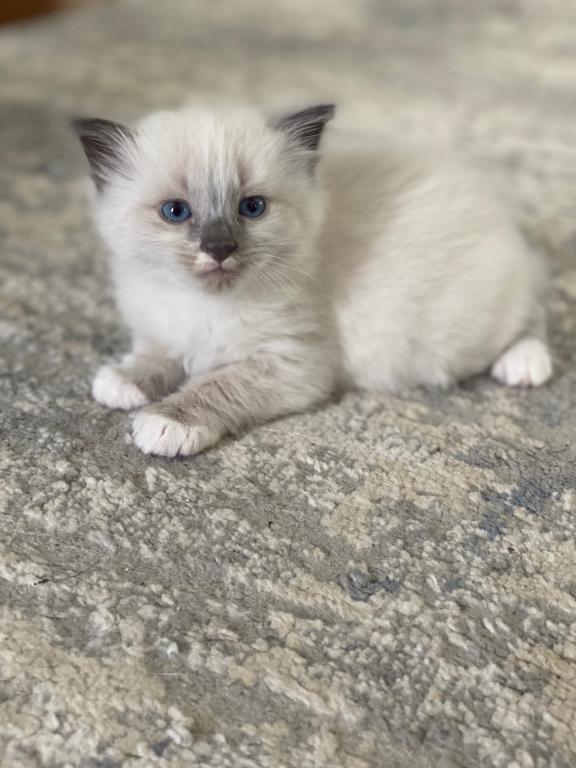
(428, 277)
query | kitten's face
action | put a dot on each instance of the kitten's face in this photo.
(220, 200)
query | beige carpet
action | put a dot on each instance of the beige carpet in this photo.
(384, 583)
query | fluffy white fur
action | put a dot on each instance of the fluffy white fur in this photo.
(380, 271)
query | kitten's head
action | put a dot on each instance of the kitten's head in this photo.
(218, 199)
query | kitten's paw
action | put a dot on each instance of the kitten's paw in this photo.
(112, 389)
(525, 364)
(162, 436)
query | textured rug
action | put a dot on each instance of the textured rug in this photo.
(383, 583)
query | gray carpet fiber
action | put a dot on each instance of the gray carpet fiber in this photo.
(383, 583)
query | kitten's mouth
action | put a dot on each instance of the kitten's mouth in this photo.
(217, 275)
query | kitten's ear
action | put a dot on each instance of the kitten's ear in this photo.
(306, 127)
(105, 145)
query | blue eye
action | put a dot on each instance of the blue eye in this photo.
(252, 207)
(176, 210)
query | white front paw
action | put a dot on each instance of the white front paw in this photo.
(112, 389)
(160, 435)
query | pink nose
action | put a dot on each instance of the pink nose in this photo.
(219, 249)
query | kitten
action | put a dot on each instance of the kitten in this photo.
(257, 277)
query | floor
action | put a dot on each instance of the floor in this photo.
(383, 583)
(16, 10)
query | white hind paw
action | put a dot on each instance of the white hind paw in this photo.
(525, 364)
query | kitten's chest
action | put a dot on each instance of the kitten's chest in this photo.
(203, 331)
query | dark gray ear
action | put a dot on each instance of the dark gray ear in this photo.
(105, 145)
(306, 126)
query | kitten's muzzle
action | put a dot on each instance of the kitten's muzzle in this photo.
(219, 249)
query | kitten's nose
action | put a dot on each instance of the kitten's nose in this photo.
(219, 249)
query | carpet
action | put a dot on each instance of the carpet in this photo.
(385, 582)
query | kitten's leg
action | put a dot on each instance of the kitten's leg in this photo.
(228, 400)
(526, 363)
(140, 378)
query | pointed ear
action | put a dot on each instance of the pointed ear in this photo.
(306, 127)
(105, 144)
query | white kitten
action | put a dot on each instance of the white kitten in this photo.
(257, 278)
